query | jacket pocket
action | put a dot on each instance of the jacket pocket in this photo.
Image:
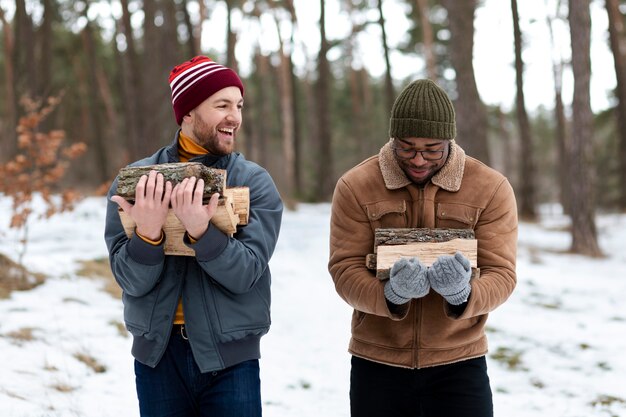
(438, 331)
(456, 216)
(138, 311)
(242, 314)
(387, 213)
(381, 331)
(452, 334)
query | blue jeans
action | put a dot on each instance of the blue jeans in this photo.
(177, 388)
(459, 389)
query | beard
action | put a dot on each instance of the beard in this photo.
(209, 138)
(426, 172)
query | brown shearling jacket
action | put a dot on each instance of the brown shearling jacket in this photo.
(465, 194)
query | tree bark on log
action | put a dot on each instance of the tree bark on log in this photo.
(400, 236)
(214, 179)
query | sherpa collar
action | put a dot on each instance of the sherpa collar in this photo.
(449, 176)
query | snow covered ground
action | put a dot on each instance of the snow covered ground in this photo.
(557, 346)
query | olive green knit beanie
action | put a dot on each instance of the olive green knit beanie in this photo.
(422, 110)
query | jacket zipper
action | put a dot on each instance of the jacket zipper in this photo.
(417, 304)
(173, 316)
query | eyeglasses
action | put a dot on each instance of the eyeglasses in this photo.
(410, 153)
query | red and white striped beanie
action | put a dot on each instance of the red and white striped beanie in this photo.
(195, 80)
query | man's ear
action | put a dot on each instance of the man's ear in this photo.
(187, 117)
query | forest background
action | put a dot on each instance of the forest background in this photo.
(315, 105)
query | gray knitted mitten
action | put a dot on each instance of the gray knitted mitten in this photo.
(450, 276)
(407, 279)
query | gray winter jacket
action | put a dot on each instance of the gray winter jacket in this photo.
(225, 288)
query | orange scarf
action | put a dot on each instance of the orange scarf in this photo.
(188, 149)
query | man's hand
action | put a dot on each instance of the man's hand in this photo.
(450, 276)
(152, 200)
(187, 205)
(407, 279)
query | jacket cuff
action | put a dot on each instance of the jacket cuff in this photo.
(210, 245)
(392, 296)
(145, 253)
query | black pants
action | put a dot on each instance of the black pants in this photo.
(457, 390)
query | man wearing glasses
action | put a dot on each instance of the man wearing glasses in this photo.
(418, 339)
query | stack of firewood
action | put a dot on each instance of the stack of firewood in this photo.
(232, 210)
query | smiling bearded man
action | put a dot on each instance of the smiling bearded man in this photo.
(197, 320)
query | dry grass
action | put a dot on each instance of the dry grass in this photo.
(607, 401)
(121, 328)
(14, 277)
(509, 357)
(12, 394)
(100, 269)
(50, 368)
(19, 336)
(63, 387)
(90, 361)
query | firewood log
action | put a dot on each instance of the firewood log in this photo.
(391, 244)
(214, 179)
(232, 210)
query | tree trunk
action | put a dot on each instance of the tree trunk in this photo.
(7, 128)
(429, 42)
(24, 56)
(204, 14)
(122, 145)
(371, 139)
(581, 178)
(134, 90)
(153, 74)
(356, 111)
(389, 91)
(310, 135)
(508, 163)
(324, 161)
(561, 125)
(45, 52)
(527, 176)
(23, 71)
(261, 127)
(353, 75)
(95, 122)
(104, 88)
(286, 111)
(618, 46)
(231, 38)
(297, 139)
(193, 42)
(157, 107)
(562, 146)
(471, 117)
